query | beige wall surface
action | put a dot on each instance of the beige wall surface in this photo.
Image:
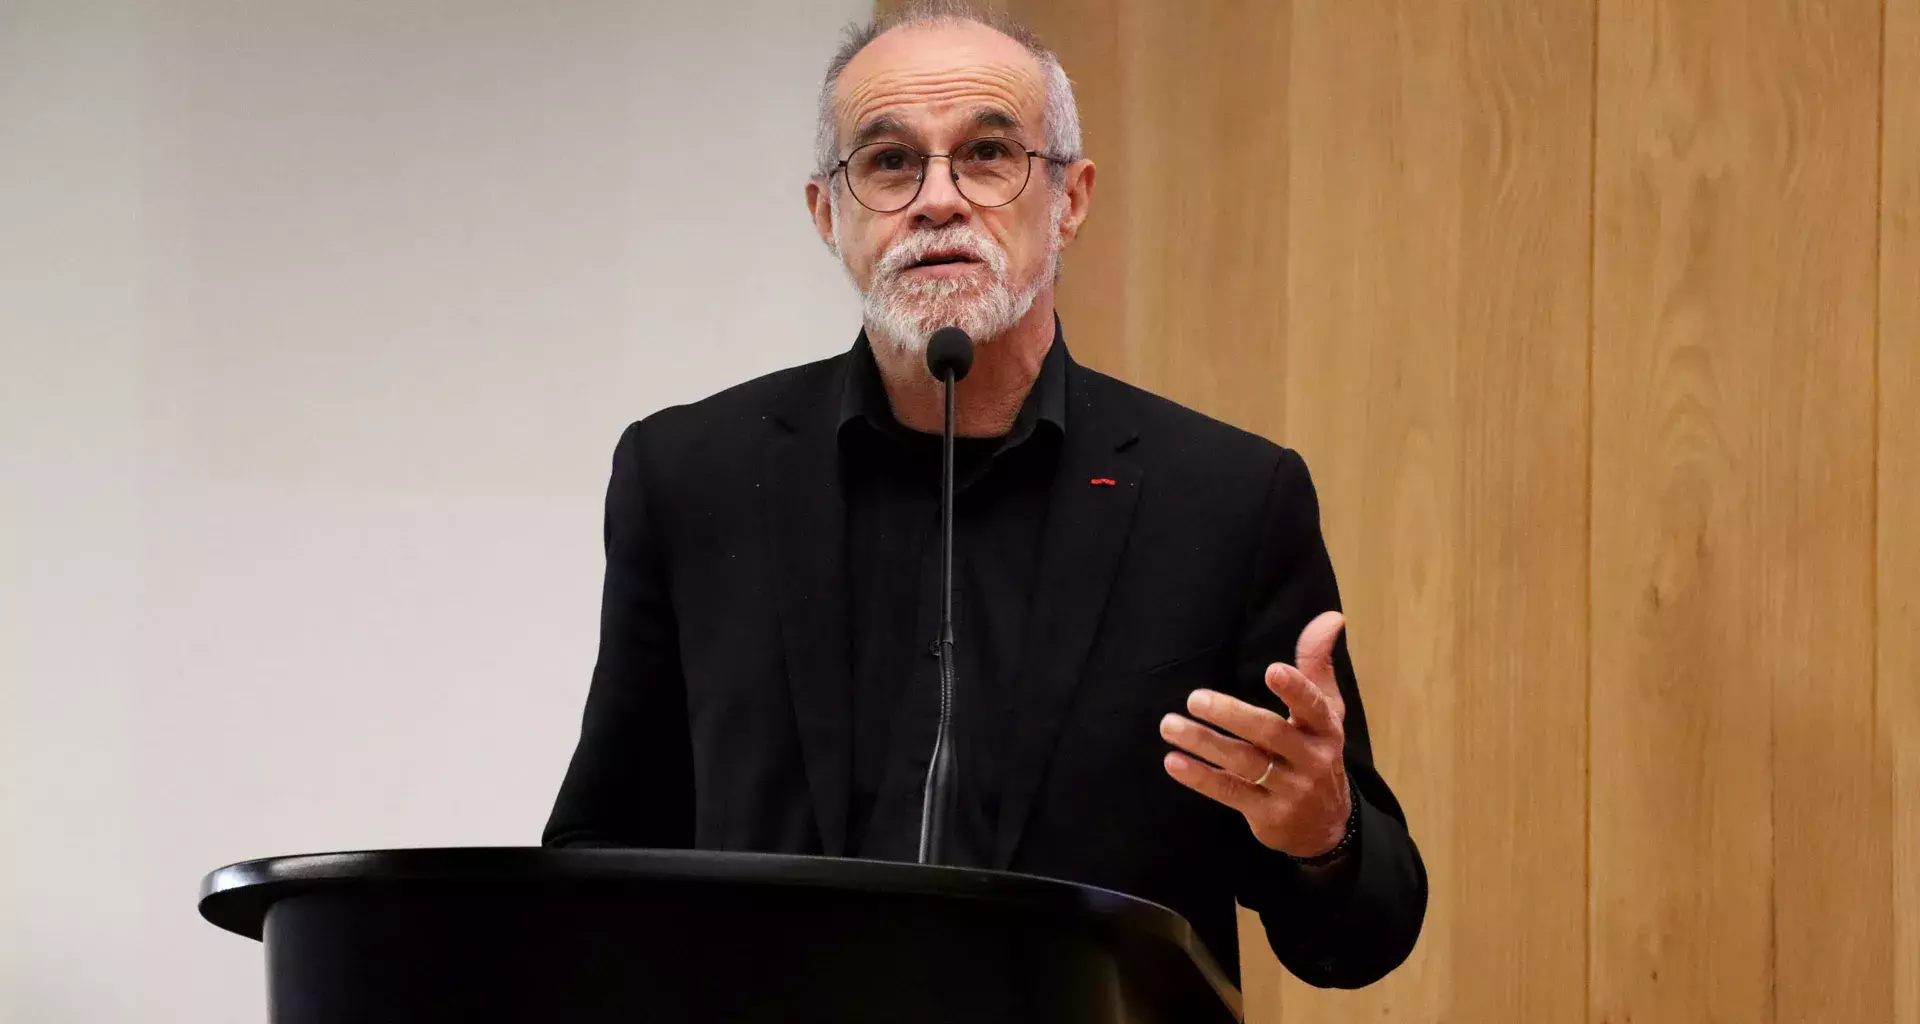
(318, 322)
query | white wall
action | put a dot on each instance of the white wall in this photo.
(318, 321)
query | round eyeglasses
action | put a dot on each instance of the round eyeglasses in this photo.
(886, 177)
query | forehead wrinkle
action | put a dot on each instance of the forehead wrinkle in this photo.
(989, 84)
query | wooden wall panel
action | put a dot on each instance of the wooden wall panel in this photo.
(1437, 347)
(1204, 145)
(1373, 329)
(1732, 504)
(1819, 488)
(1520, 606)
(1898, 696)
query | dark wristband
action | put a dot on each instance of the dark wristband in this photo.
(1333, 856)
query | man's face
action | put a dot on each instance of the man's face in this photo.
(941, 259)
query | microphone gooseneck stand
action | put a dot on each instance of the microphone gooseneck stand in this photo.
(949, 357)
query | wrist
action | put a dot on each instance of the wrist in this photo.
(1344, 845)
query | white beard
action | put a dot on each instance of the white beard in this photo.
(903, 312)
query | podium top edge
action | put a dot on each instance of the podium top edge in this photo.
(236, 897)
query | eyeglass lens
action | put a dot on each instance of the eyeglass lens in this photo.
(885, 176)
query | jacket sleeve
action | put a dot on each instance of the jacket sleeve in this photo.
(1349, 926)
(631, 779)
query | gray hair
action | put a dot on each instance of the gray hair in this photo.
(1062, 117)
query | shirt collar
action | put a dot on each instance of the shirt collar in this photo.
(864, 396)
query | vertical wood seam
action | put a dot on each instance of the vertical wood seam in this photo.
(1891, 764)
(1879, 340)
(1593, 301)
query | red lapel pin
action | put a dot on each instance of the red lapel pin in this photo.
(1101, 481)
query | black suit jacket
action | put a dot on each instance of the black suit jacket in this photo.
(719, 715)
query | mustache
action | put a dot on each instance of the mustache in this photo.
(955, 238)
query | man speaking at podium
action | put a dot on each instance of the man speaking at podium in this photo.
(1153, 694)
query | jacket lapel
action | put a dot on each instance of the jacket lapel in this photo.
(807, 520)
(1085, 535)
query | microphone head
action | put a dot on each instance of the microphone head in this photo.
(949, 349)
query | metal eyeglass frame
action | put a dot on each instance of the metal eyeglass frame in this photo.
(926, 160)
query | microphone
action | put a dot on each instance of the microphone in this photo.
(949, 357)
(949, 349)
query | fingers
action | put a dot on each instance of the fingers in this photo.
(1215, 783)
(1256, 725)
(1314, 652)
(1237, 756)
(1309, 707)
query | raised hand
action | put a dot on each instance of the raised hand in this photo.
(1285, 773)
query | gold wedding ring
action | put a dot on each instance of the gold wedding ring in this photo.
(1262, 780)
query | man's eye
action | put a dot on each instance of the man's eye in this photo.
(889, 160)
(988, 152)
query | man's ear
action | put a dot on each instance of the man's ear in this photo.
(820, 208)
(1079, 190)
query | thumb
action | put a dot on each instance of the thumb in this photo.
(1314, 655)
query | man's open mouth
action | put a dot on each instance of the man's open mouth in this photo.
(941, 259)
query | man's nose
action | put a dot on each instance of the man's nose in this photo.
(940, 202)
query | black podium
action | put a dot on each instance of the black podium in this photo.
(636, 936)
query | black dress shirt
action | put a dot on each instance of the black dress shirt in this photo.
(890, 476)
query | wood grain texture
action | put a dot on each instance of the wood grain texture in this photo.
(1205, 150)
(1373, 366)
(1898, 576)
(1817, 478)
(1438, 384)
(1732, 502)
(1523, 413)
